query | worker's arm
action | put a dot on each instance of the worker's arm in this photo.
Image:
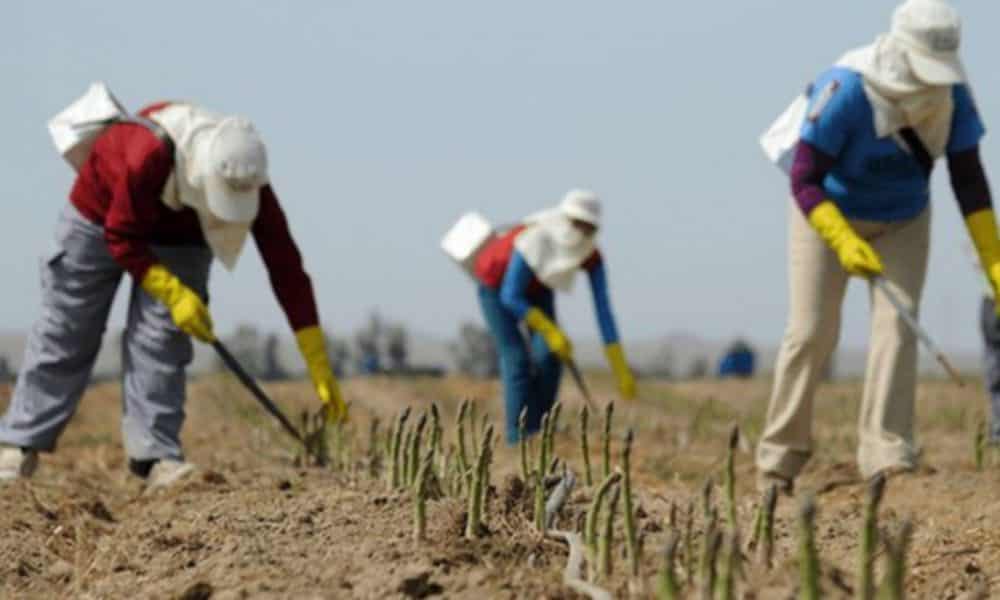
(294, 291)
(856, 255)
(972, 191)
(596, 269)
(517, 280)
(832, 118)
(135, 198)
(971, 186)
(131, 220)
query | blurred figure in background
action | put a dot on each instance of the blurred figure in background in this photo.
(518, 274)
(989, 329)
(738, 361)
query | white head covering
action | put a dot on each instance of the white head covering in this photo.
(552, 246)
(908, 73)
(220, 166)
(931, 33)
(237, 168)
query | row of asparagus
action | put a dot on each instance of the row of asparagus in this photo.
(711, 568)
(721, 560)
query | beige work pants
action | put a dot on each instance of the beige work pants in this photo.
(817, 284)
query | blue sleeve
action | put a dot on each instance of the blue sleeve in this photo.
(967, 128)
(602, 304)
(834, 109)
(514, 289)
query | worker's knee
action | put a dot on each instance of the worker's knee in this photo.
(810, 337)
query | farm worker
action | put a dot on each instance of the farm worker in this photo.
(518, 273)
(989, 329)
(876, 123)
(157, 199)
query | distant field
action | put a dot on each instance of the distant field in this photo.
(252, 524)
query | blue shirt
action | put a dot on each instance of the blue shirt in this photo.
(874, 179)
(519, 276)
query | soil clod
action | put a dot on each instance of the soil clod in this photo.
(420, 586)
(198, 591)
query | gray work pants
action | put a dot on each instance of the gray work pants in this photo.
(79, 281)
(990, 326)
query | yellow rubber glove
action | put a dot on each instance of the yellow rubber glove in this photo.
(982, 227)
(554, 337)
(186, 308)
(855, 254)
(626, 381)
(312, 345)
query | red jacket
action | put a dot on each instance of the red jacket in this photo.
(493, 260)
(120, 187)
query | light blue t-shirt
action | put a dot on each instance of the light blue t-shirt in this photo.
(874, 179)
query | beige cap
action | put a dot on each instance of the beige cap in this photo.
(931, 32)
(582, 205)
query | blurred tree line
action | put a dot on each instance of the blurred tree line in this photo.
(379, 347)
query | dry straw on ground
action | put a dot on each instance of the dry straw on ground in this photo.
(252, 522)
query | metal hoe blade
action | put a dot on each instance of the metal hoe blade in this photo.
(258, 393)
(911, 321)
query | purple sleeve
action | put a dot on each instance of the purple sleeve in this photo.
(808, 171)
(968, 181)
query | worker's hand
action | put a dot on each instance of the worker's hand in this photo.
(554, 337)
(859, 258)
(312, 345)
(982, 226)
(187, 309)
(334, 407)
(619, 366)
(855, 254)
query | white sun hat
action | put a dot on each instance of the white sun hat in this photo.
(237, 169)
(931, 32)
(582, 205)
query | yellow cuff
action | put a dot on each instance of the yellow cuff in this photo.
(538, 321)
(616, 357)
(626, 380)
(830, 223)
(312, 345)
(554, 337)
(982, 226)
(161, 284)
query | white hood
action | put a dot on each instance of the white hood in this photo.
(908, 77)
(555, 249)
(192, 130)
(898, 98)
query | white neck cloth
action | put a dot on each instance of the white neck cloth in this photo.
(554, 248)
(898, 98)
(189, 128)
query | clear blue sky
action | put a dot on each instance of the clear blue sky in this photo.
(385, 121)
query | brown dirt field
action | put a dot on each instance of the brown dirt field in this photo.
(251, 524)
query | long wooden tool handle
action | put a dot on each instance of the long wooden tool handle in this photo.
(911, 321)
(950, 369)
(580, 383)
(258, 393)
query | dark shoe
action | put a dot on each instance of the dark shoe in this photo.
(766, 479)
(894, 471)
